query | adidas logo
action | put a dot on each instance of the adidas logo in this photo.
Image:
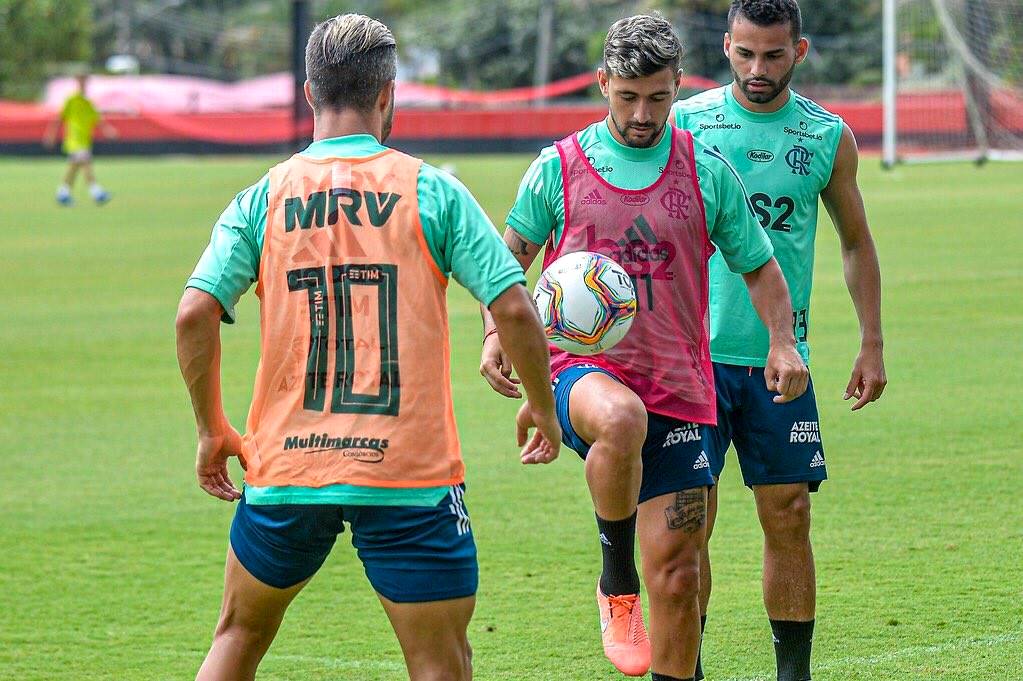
(593, 198)
(701, 462)
(604, 540)
(818, 460)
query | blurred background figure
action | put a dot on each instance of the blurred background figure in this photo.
(79, 118)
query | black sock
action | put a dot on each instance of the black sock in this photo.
(792, 641)
(654, 676)
(617, 542)
(699, 656)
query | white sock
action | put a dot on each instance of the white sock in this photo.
(95, 190)
(63, 190)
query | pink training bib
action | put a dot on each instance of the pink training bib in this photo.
(659, 235)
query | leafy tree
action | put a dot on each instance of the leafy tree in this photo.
(34, 35)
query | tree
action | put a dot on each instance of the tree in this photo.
(493, 45)
(34, 36)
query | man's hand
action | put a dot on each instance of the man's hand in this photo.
(50, 134)
(211, 464)
(868, 379)
(496, 367)
(785, 373)
(545, 444)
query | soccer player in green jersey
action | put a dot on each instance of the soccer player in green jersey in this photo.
(80, 119)
(632, 188)
(789, 151)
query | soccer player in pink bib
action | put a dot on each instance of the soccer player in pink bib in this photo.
(643, 193)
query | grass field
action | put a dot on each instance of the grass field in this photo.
(111, 557)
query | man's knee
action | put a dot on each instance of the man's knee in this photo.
(787, 518)
(621, 422)
(454, 664)
(676, 580)
(244, 633)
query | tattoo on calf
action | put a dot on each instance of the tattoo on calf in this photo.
(688, 513)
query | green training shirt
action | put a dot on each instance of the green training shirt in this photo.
(785, 160)
(460, 237)
(539, 207)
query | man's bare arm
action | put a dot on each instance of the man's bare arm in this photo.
(198, 345)
(785, 372)
(844, 204)
(495, 365)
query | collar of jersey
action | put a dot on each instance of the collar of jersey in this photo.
(618, 149)
(349, 146)
(754, 116)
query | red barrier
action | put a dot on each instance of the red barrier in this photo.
(937, 113)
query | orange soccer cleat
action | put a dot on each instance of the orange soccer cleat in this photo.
(623, 633)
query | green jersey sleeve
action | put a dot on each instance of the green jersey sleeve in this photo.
(462, 239)
(731, 223)
(539, 207)
(230, 263)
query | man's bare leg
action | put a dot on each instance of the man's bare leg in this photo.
(433, 637)
(250, 616)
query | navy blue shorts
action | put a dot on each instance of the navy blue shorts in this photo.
(673, 456)
(411, 554)
(775, 443)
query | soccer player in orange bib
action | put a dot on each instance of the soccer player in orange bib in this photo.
(351, 244)
(643, 193)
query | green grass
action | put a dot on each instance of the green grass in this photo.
(111, 557)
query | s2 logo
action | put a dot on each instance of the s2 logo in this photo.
(761, 202)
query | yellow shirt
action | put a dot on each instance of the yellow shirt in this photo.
(80, 118)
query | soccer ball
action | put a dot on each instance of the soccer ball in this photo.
(586, 301)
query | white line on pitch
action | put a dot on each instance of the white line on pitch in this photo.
(991, 642)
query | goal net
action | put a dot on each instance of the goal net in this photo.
(953, 80)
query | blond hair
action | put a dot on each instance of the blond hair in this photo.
(641, 45)
(348, 60)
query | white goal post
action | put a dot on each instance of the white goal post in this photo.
(953, 80)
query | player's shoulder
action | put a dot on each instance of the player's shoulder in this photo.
(74, 102)
(587, 138)
(439, 180)
(710, 157)
(547, 154)
(706, 101)
(815, 112)
(250, 204)
(547, 164)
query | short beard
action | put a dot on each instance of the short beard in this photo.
(621, 132)
(770, 95)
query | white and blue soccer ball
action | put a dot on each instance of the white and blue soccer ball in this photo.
(586, 301)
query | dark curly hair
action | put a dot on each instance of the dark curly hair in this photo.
(768, 13)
